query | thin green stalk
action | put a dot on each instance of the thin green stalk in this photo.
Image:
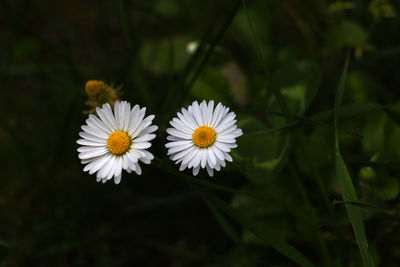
(197, 54)
(258, 47)
(215, 41)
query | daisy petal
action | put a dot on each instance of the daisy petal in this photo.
(202, 137)
(104, 144)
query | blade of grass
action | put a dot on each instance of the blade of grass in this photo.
(344, 180)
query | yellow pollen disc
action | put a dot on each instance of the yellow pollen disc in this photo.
(204, 136)
(94, 87)
(118, 142)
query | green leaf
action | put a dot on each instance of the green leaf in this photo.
(267, 235)
(168, 9)
(387, 188)
(347, 33)
(362, 87)
(212, 84)
(261, 157)
(374, 133)
(393, 111)
(393, 143)
(367, 173)
(298, 83)
(279, 215)
(345, 183)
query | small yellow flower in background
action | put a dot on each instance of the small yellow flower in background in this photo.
(99, 93)
(94, 88)
(382, 9)
(116, 141)
(202, 137)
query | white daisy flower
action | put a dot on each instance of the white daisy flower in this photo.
(114, 142)
(203, 137)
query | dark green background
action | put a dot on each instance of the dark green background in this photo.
(54, 214)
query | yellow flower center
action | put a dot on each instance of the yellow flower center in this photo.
(118, 142)
(204, 136)
(94, 88)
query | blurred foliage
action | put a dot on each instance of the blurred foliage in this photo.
(271, 206)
